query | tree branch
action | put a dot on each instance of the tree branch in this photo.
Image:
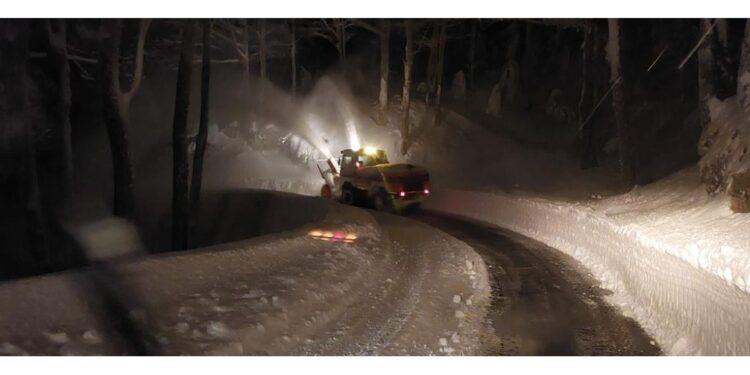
(367, 26)
(239, 49)
(138, 70)
(56, 39)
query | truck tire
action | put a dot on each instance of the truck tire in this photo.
(326, 193)
(381, 201)
(347, 195)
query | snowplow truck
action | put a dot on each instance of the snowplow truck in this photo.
(365, 177)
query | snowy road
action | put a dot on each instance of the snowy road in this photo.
(543, 302)
(402, 288)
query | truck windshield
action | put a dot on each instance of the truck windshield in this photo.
(371, 160)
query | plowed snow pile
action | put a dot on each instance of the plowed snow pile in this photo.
(677, 260)
(279, 294)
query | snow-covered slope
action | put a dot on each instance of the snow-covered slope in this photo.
(400, 288)
(676, 260)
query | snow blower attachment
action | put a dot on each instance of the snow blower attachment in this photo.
(365, 177)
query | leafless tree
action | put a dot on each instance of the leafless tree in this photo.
(383, 31)
(21, 217)
(406, 93)
(262, 33)
(705, 72)
(440, 70)
(200, 140)
(115, 108)
(336, 32)
(293, 52)
(431, 43)
(588, 97)
(743, 74)
(472, 52)
(180, 201)
(58, 51)
(236, 36)
(618, 100)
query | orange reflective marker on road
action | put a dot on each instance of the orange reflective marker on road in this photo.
(334, 236)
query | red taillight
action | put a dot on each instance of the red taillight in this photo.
(402, 194)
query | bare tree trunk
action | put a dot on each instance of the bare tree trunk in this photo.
(115, 108)
(180, 202)
(512, 48)
(294, 58)
(743, 74)
(586, 101)
(342, 37)
(618, 101)
(439, 72)
(246, 57)
(528, 63)
(58, 52)
(585, 53)
(406, 94)
(431, 63)
(263, 60)
(472, 52)
(200, 139)
(385, 32)
(262, 49)
(113, 112)
(706, 76)
(138, 71)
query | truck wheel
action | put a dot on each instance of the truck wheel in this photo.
(382, 201)
(347, 195)
(326, 193)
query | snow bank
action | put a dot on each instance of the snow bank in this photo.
(400, 288)
(676, 260)
(233, 215)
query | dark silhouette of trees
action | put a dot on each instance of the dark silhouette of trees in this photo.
(23, 238)
(58, 51)
(180, 200)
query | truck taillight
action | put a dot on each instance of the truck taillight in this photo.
(426, 191)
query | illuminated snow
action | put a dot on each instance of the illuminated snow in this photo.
(389, 292)
(676, 260)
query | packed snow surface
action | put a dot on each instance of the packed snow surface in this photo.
(400, 288)
(677, 260)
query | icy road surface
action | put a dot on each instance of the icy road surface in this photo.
(401, 288)
(543, 301)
